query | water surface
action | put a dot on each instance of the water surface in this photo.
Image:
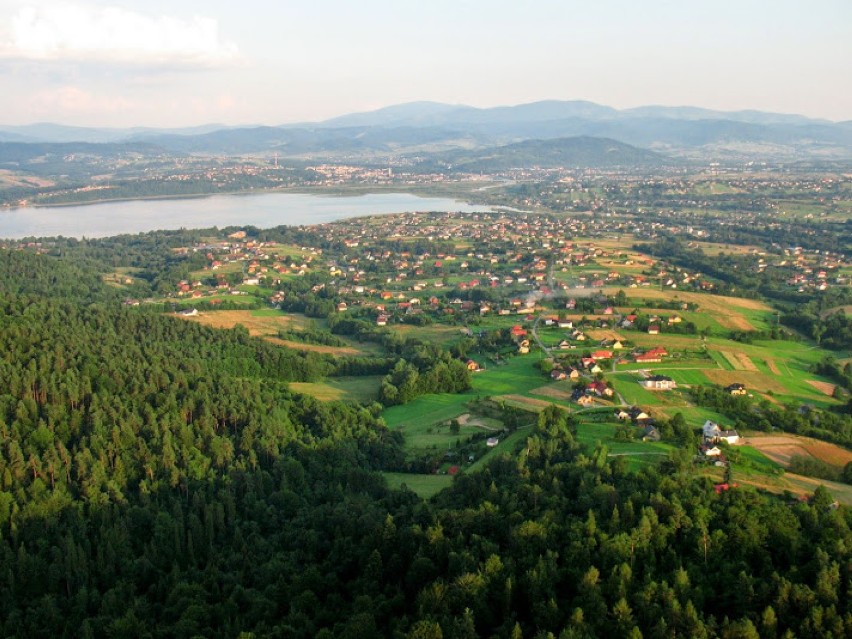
(263, 210)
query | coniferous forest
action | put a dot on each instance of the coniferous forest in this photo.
(159, 479)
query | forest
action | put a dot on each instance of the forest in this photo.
(159, 479)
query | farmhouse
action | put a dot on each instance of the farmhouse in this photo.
(599, 388)
(712, 433)
(736, 389)
(658, 382)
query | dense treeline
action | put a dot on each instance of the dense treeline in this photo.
(311, 544)
(831, 330)
(158, 479)
(407, 380)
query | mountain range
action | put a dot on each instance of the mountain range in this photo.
(429, 128)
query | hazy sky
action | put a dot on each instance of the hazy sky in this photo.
(179, 63)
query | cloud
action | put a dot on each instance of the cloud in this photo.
(79, 33)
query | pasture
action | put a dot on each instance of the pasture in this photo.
(352, 389)
(424, 486)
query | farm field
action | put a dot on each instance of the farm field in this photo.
(731, 313)
(259, 323)
(781, 448)
(266, 323)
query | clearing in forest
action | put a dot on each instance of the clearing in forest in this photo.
(266, 324)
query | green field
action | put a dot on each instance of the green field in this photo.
(753, 461)
(519, 376)
(689, 377)
(353, 389)
(424, 486)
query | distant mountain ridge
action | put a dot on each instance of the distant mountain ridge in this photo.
(433, 127)
(580, 151)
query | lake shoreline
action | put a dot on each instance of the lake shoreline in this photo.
(264, 209)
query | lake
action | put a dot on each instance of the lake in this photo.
(262, 210)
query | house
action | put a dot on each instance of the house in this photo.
(472, 366)
(518, 331)
(712, 433)
(653, 329)
(736, 389)
(650, 434)
(602, 355)
(565, 345)
(658, 382)
(645, 358)
(622, 414)
(557, 374)
(585, 400)
(599, 388)
(637, 414)
(189, 312)
(491, 442)
(341, 306)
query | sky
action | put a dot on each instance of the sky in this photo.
(162, 63)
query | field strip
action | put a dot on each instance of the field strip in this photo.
(733, 360)
(550, 391)
(527, 403)
(314, 348)
(822, 387)
(745, 361)
(770, 363)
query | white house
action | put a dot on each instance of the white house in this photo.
(712, 433)
(658, 382)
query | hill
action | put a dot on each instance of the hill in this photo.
(562, 152)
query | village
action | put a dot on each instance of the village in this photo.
(542, 310)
